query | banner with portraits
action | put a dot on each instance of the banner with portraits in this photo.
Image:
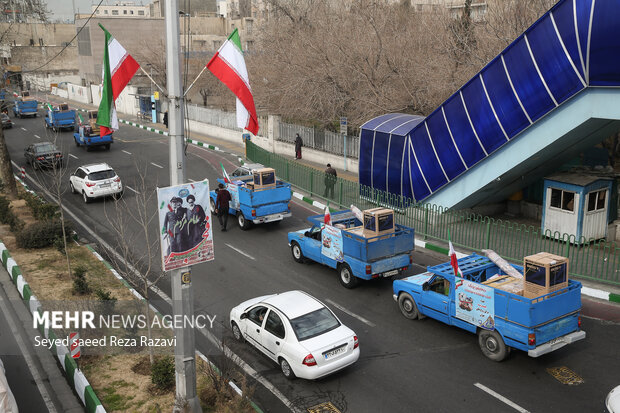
(186, 235)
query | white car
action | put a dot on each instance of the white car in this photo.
(94, 181)
(298, 332)
(613, 400)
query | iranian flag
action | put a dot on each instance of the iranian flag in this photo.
(453, 261)
(327, 219)
(224, 174)
(118, 69)
(228, 66)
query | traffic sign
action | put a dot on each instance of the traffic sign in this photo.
(343, 125)
(74, 346)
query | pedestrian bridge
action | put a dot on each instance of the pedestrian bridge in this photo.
(546, 98)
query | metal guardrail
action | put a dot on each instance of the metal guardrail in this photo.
(596, 260)
(322, 140)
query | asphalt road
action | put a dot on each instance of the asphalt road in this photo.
(405, 366)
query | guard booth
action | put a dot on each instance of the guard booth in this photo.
(576, 204)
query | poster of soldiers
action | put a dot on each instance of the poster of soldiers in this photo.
(186, 235)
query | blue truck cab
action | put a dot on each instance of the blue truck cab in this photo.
(357, 250)
(488, 302)
(257, 199)
(60, 117)
(25, 105)
(88, 134)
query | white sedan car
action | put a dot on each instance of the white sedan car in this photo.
(94, 181)
(298, 332)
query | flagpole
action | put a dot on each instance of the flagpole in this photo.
(154, 82)
(192, 85)
(182, 291)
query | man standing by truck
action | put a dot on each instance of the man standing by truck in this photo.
(221, 206)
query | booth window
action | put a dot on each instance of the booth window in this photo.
(562, 199)
(596, 200)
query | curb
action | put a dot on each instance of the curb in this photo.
(74, 376)
(587, 291)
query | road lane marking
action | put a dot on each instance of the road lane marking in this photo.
(351, 313)
(159, 166)
(131, 189)
(37, 136)
(24, 129)
(501, 398)
(240, 252)
(73, 156)
(128, 153)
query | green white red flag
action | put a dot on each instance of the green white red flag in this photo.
(117, 70)
(225, 175)
(228, 65)
(453, 260)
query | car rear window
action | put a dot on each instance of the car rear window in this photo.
(314, 324)
(98, 176)
(45, 148)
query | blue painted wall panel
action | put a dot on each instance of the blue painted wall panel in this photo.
(466, 141)
(482, 116)
(565, 22)
(428, 163)
(448, 155)
(380, 160)
(604, 55)
(397, 145)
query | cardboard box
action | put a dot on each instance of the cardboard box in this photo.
(544, 273)
(378, 221)
(506, 283)
(264, 179)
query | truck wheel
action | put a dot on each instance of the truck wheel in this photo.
(243, 223)
(88, 148)
(298, 256)
(492, 345)
(347, 279)
(408, 306)
(212, 205)
(107, 146)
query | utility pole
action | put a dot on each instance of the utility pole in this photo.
(182, 295)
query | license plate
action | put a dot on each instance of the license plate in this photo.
(555, 340)
(105, 185)
(335, 351)
(390, 273)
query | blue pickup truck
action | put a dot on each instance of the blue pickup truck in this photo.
(488, 302)
(60, 117)
(346, 247)
(25, 106)
(257, 199)
(88, 134)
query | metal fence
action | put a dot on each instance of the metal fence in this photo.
(589, 259)
(322, 140)
(217, 117)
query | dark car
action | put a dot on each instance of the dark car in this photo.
(7, 123)
(42, 155)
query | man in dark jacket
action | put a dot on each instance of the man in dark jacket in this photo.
(175, 226)
(298, 144)
(221, 205)
(330, 181)
(196, 221)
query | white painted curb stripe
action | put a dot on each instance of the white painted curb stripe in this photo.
(20, 285)
(298, 195)
(10, 263)
(34, 304)
(604, 295)
(60, 353)
(80, 384)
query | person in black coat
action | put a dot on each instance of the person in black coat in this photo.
(298, 144)
(196, 221)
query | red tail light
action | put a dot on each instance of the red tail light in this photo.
(253, 212)
(368, 269)
(579, 321)
(356, 342)
(40, 158)
(58, 155)
(309, 360)
(117, 179)
(89, 184)
(531, 339)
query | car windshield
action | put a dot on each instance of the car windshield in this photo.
(314, 324)
(48, 147)
(97, 176)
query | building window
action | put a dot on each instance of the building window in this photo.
(596, 200)
(564, 200)
(105, 12)
(140, 12)
(115, 12)
(124, 11)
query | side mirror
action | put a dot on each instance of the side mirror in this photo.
(243, 316)
(425, 286)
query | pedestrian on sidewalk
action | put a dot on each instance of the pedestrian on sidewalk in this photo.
(166, 119)
(221, 206)
(330, 180)
(298, 144)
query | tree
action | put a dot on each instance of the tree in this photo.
(6, 171)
